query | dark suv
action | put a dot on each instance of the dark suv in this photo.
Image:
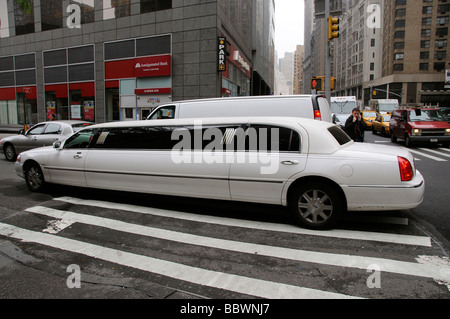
(419, 126)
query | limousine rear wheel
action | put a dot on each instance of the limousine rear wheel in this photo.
(34, 177)
(316, 205)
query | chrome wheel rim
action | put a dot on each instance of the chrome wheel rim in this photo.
(315, 206)
(34, 178)
(9, 152)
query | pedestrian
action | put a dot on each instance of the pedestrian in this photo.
(355, 126)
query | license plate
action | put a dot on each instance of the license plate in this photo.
(433, 140)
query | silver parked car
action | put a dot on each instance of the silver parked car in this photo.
(41, 134)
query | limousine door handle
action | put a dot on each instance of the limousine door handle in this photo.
(78, 156)
(290, 162)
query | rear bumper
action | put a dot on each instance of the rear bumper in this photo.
(376, 198)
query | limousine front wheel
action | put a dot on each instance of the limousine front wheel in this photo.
(316, 205)
(34, 177)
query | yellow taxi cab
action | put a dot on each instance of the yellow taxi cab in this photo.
(381, 124)
(368, 117)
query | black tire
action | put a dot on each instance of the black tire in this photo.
(34, 178)
(408, 142)
(10, 152)
(393, 138)
(317, 205)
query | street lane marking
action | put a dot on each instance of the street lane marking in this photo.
(435, 152)
(340, 260)
(334, 233)
(445, 149)
(427, 155)
(215, 279)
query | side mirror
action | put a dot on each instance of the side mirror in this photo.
(57, 145)
(22, 132)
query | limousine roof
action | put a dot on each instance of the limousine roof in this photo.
(319, 139)
(286, 121)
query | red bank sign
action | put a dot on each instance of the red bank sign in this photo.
(139, 67)
(152, 66)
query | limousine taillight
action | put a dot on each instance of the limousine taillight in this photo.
(406, 169)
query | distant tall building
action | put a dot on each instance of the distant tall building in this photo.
(298, 70)
(358, 50)
(284, 74)
(416, 52)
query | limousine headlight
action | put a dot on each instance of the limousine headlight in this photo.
(416, 132)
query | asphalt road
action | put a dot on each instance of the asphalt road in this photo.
(143, 246)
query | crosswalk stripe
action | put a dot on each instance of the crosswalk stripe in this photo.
(334, 233)
(445, 149)
(427, 155)
(341, 260)
(236, 283)
(435, 152)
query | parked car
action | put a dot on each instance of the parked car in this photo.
(306, 106)
(419, 126)
(368, 117)
(381, 124)
(310, 166)
(41, 134)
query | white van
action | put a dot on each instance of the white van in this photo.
(305, 106)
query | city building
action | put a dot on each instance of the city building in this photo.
(358, 50)
(416, 53)
(298, 70)
(110, 60)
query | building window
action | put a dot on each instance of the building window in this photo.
(423, 66)
(426, 32)
(440, 43)
(442, 20)
(439, 66)
(155, 5)
(398, 67)
(400, 2)
(425, 44)
(426, 21)
(399, 34)
(440, 55)
(399, 45)
(425, 55)
(441, 32)
(51, 15)
(400, 23)
(399, 56)
(116, 9)
(24, 17)
(400, 12)
(427, 10)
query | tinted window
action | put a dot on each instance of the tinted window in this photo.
(26, 77)
(340, 136)
(56, 57)
(81, 54)
(119, 50)
(25, 61)
(55, 75)
(156, 138)
(153, 46)
(7, 63)
(272, 138)
(81, 139)
(81, 72)
(7, 79)
(36, 130)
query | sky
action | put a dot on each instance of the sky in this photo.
(289, 16)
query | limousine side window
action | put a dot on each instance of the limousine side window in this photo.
(145, 138)
(166, 112)
(82, 139)
(272, 138)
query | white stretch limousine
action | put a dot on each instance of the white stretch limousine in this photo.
(313, 167)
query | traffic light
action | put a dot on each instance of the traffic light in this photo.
(333, 83)
(333, 28)
(317, 84)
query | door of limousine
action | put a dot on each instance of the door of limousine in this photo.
(66, 164)
(271, 156)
